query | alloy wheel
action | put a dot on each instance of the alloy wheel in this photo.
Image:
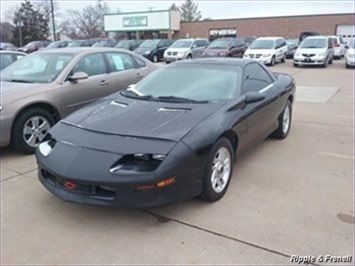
(221, 168)
(35, 130)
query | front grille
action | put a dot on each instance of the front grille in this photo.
(257, 55)
(175, 53)
(169, 53)
(90, 190)
(308, 55)
(251, 55)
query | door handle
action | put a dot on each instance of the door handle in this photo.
(138, 75)
(103, 82)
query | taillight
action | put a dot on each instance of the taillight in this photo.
(337, 45)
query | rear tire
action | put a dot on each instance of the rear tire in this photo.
(283, 60)
(285, 119)
(30, 128)
(218, 171)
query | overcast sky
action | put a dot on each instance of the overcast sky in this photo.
(211, 9)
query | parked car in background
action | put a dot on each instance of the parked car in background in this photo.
(185, 49)
(33, 46)
(57, 44)
(350, 55)
(107, 43)
(248, 40)
(339, 46)
(314, 50)
(226, 47)
(267, 50)
(154, 49)
(82, 43)
(44, 87)
(8, 57)
(174, 136)
(305, 34)
(7, 46)
(129, 44)
(292, 45)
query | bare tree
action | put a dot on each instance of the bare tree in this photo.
(85, 23)
(6, 32)
(174, 7)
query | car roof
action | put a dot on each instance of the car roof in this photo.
(269, 38)
(82, 50)
(238, 62)
(317, 37)
(11, 52)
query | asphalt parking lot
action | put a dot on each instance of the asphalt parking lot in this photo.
(291, 197)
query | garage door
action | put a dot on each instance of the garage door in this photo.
(346, 31)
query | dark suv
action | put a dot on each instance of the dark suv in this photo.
(129, 44)
(226, 47)
(154, 49)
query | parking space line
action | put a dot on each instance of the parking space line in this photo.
(335, 155)
(164, 218)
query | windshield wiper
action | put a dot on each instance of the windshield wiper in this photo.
(20, 81)
(134, 95)
(178, 99)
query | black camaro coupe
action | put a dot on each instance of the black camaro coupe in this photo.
(172, 136)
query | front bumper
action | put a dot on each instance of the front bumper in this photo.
(338, 52)
(88, 169)
(5, 129)
(350, 60)
(172, 58)
(314, 60)
(261, 59)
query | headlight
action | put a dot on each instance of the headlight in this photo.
(266, 55)
(147, 52)
(297, 54)
(245, 55)
(349, 55)
(203, 53)
(222, 54)
(46, 147)
(321, 54)
(0, 108)
(181, 53)
(139, 162)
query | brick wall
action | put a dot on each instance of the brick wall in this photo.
(287, 27)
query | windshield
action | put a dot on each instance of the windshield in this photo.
(197, 83)
(123, 44)
(149, 44)
(31, 44)
(219, 44)
(313, 43)
(262, 44)
(36, 68)
(53, 45)
(181, 44)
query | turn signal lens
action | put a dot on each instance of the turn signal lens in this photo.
(160, 184)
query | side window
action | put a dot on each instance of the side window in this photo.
(330, 43)
(255, 78)
(140, 62)
(92, 65)
(277, 43)
(120, 61)
(283, 43)
(196, 44)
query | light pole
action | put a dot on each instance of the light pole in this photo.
(20, 24)
(52, 12)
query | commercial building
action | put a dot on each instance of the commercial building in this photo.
(167, 24)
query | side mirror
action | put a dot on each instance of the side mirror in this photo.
(253, 96)
(78, 76)
(232, 47)
(194, 46)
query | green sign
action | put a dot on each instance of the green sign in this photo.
(135, 21)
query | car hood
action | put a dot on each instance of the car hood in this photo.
(140, 118)
(259, 51)
(8, 88)
(142, 50)
(215, 51)
(177, 49)
(311, 50)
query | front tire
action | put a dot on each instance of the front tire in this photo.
(155, 58)
(189, 56)
(218, 171)
(285, 119)
(30, 128)
(272, 62)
